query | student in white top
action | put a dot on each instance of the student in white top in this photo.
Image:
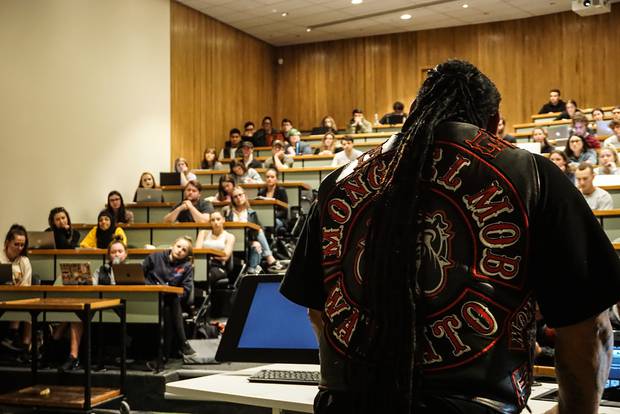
(608, 162)
(219, 239)
(597, 198)
(181, 166)
(15, 253)
(348, 153)
(613, 140)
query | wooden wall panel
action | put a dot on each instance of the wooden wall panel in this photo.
(525, 58)
(220, 78)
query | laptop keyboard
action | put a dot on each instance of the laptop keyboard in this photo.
(286, 377)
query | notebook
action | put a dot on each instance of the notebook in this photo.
(533, 147)
(76, 274)
(149, 195)
(6, 274)
(170, 178)
(128, 274)
(264, 326)
(395, 119)
(41, 240)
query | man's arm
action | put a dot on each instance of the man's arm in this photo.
(197, 215)
(316, 321)
(172, 216)
(582, 359)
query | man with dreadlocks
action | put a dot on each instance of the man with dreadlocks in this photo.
(423, 260)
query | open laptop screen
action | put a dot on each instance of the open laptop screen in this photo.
(264, 326)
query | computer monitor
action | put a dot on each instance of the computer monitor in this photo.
(264, 326)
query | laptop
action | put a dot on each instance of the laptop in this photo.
(76, 274)
(533, 147)
(319, 131)
(603, 129)
(149, 195)
(41, 240)
(264, 326)
(128, 274)
(558, 131)
(395, 119)
(170, 178)
(6, 274)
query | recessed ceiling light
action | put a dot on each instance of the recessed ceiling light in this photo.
(405, 17)
(274, 10)
(284, 14)
(465, 6)
(356, 1)
(309, 29)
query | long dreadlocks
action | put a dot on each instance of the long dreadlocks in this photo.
(454, 91)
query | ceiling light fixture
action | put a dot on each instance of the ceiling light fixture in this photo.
(356, 1)
(308, 29)
(284, 14)
(405, 17)
(465, 5)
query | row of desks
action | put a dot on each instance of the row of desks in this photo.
(155, 212)
(46, 263)
(294, 189)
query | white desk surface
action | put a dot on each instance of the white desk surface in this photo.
(234, 387)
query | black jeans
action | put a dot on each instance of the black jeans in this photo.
(174, 328)
(331, 402)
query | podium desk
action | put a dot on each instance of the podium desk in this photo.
(46, 263)
(233, 387)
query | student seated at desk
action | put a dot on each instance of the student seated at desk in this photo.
(279, 159)
(348, 153)
(608, 162)
(173, 267)
(65, 236)
(243, 174)
(224, 189)
(273, 190)
(116, 206)
(192, 208)
(328, 124)
(147, 180)
(328, 145)
(239, 211)
(181, 166)
(297, 146)
(15, 253)
(117, 253)
(210, 161)
(219, 239)
(613, 140)
(540, 135)
(100, 236)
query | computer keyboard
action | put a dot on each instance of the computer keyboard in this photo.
(286, 377)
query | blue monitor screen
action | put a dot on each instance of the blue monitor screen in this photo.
(274, 322)
(614, 372)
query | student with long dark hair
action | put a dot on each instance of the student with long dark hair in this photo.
(116, 206)
(15, 253)
(100, 236)
(65, 236)
(418, 260)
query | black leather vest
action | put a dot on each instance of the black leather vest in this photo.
(479, 313)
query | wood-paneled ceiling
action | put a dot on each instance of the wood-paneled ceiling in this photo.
(264, 19)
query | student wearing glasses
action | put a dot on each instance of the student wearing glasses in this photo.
(577, 151)
(116, 207)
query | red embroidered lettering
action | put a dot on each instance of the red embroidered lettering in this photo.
(437, 156)
(429, 355)
(335, 303)
(447, 327)
(479, 318)
(449, 180)
(356, 190)
(331, 242)
(493, 264)
(339, 210)
(499, 234)
(376, 173)
(344, 331)
(487, 143)
(482, 205)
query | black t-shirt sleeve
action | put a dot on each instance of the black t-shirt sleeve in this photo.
(303, 282)
(205, 207)
(574, 268)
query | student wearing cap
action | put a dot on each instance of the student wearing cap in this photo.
(247, 150)
(279, 159)
(298, 147)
